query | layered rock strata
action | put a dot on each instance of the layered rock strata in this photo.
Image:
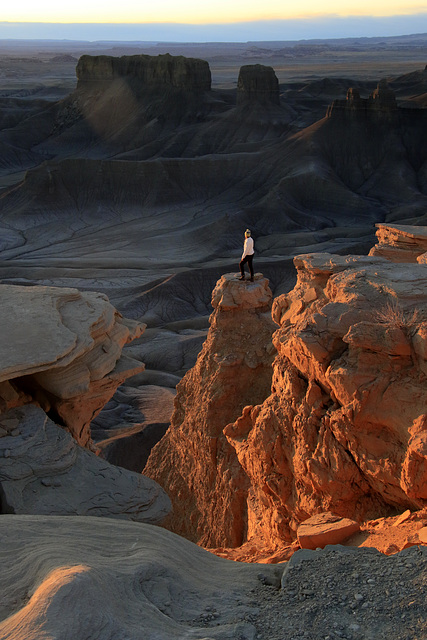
(61, 349)
(257, 83)
(194, 462)
(344, 429)
(400, 243)
(43, 471)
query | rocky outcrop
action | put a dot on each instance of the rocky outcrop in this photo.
(257, 83)
(345, 425)
(44, 471)
(400, 243)
(61, 349)
(380, 103)
(146, 71)
(194, 462)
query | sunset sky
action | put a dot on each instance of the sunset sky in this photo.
(195, 11)
(402, 16)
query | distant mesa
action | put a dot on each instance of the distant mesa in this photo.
(154, 71)
(381, 101)
(257, 83)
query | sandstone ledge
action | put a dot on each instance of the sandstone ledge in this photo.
(62, 349)
(230, 293)
(400, 243)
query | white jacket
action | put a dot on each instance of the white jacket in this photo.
(248, 247)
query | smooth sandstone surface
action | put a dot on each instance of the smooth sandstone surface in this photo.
(96, 578)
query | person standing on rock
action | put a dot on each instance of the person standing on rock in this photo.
(248, 255)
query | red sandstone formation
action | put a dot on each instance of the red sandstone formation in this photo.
(194, 462)
(344, 428)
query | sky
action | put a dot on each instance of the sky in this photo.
(272, 18)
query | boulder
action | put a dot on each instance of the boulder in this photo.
(325, 528)
(62, 349)
(194, 462)
(44, 471)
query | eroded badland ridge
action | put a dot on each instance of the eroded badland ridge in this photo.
(291, 417)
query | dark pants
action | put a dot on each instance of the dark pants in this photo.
(247, 259)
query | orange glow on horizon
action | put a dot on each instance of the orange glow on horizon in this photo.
(192, 12)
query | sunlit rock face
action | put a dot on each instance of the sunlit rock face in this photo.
(62, 350)
(400, 243)
(344, 428)
(194, 462)
(148, 71)
(257, 83)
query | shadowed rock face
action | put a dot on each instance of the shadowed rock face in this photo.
(61, 354)
(150, 71)
(257, 83)
(44, 471)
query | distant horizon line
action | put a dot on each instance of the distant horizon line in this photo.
(324, 27)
